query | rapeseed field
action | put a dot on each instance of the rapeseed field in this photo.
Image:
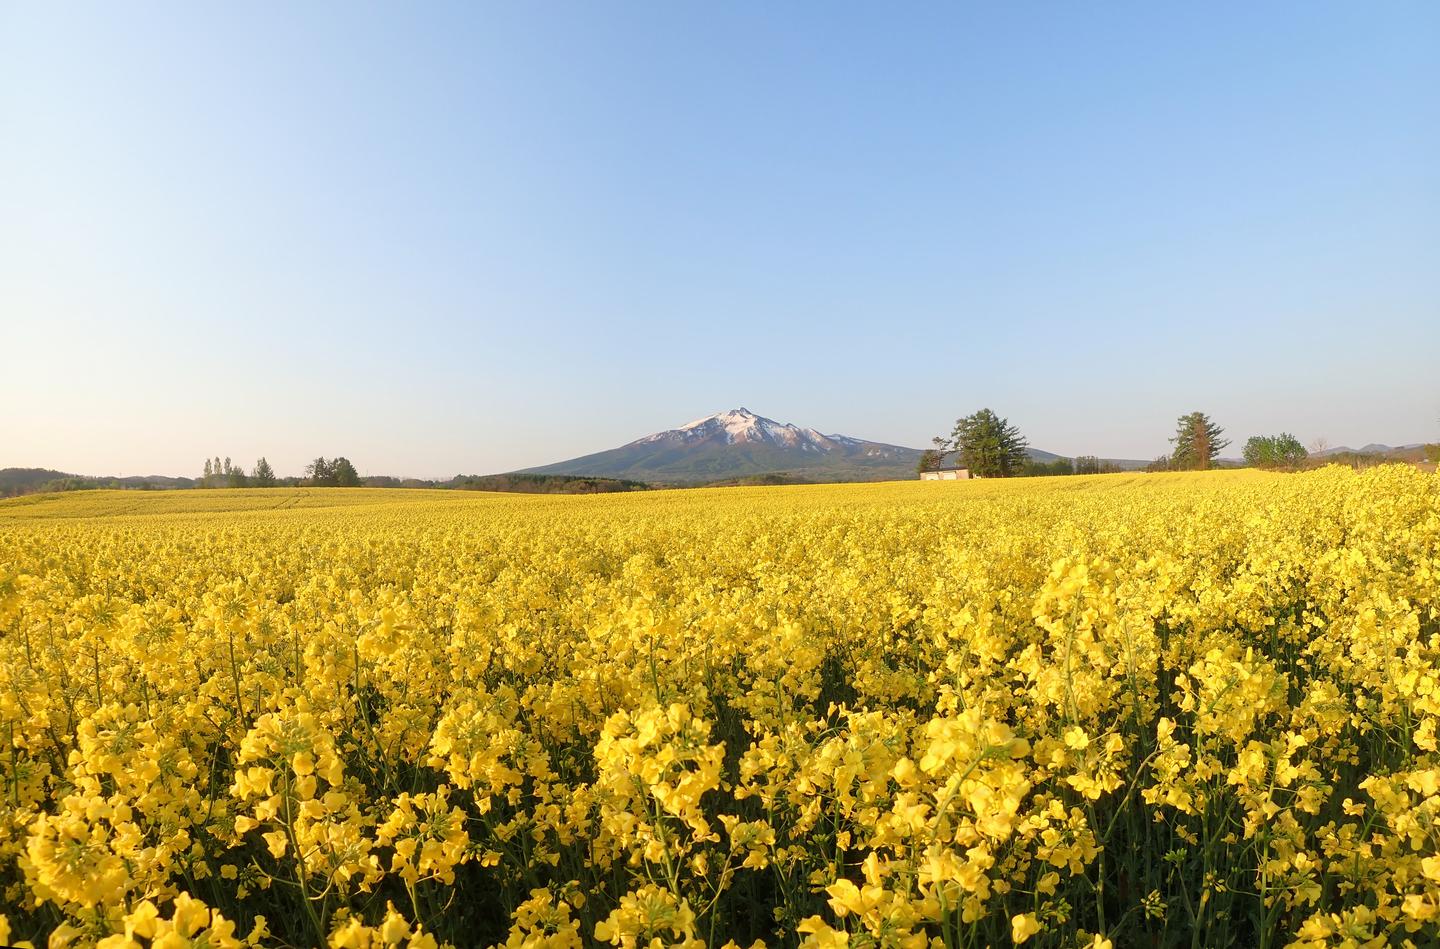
(1127, 710)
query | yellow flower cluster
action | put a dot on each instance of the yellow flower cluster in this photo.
(1083, 712)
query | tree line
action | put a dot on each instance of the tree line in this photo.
(322, 472)
(989, 446)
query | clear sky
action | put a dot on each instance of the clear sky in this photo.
(473, 237)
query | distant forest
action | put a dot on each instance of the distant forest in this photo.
(543, 484)
(219, 473)
(340, 472)
(17, 481)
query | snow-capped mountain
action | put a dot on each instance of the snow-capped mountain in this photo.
(742, 426)
(739, 443)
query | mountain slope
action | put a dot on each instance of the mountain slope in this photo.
(1374, 448)
(739, 442)
(17, 481)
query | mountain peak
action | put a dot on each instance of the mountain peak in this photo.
(735, 425)
(741, 414)
(738, 442)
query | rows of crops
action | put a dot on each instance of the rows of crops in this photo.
(1131, 711)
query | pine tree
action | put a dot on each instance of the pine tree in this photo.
(989, 445)
(1197, 443)
(343, 473)
(319, 472)
(263, 475)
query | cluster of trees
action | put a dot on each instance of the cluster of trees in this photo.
(985, 443)
(322, 472)
(390, 481)
(1079, 465)
(1034, 468)
(222, 474)
(1089, 464)
(332, 473)
(1274, 451)
(340, 472)
(990, 447)
(1198, 441)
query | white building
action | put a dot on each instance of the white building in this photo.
(946, 474)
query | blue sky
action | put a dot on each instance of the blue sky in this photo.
(473, 237)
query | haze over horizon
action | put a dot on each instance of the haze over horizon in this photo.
(476, 238)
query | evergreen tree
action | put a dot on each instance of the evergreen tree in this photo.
(1197, 443)
(319, 473)
(343, 473)
(989, 445)
(264, 475)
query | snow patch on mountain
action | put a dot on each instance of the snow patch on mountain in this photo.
(738, 443)
(741, 426)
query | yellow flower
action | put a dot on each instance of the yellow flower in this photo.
(1022, 927)
(656, 705)
(819, 934)
(276, 841)
(394, 927)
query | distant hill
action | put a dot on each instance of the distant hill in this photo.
(737, 445)
(1045, 457)
(17, 481)
(1402, 452)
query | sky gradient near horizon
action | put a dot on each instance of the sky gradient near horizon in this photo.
(449, 238)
